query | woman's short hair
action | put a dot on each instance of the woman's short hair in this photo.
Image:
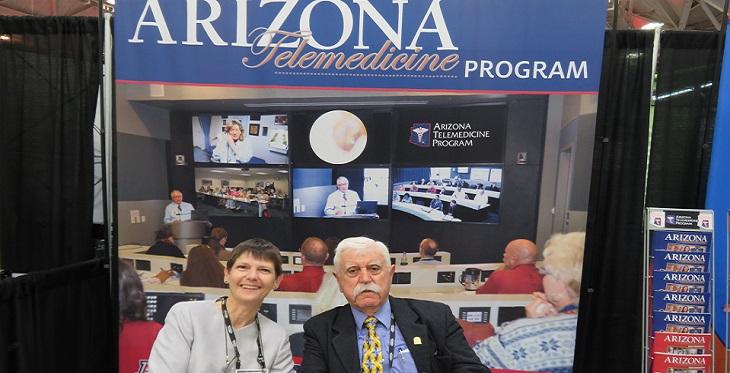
(361, 244)
(564, 258)
(218, 234)
(260, 249)
(132, 300)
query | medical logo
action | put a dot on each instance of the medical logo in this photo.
(143, 367)
(420, 134)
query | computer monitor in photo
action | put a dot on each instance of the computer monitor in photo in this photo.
(241, 139)
(448, 194)
(341, 193)
(243, 192)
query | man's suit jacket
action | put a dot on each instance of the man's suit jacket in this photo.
(330, 339)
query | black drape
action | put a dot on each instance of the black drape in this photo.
(57, 320)
(49, 78)
(610, 318)
(680, 153)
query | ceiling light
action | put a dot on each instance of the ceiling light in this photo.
(652, 26)
(283, 171)
(218, 171)
(245, 174)
(4, 37)
(261, 173)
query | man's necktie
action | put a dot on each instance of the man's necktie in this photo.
(372, 352)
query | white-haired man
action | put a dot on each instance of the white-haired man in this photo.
(377, 333)
(342, 201)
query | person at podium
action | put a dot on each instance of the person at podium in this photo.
(341, 202)
(177, 210)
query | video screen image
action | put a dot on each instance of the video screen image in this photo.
(254, 192)
(449, 194)
(241, 139)
(340, 192)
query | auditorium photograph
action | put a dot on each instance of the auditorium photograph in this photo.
(364, 186)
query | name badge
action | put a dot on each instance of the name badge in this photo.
(266, 370)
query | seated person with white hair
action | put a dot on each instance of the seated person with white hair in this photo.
(544, 341)
(379, 333)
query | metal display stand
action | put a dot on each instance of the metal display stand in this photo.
(678, 306)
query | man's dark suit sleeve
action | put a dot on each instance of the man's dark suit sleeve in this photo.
(464, 360)
(314, 359)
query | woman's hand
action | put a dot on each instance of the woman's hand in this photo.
(540, 307)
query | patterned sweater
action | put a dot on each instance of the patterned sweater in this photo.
(532, 344)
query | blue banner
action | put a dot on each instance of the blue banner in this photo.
(524, 46)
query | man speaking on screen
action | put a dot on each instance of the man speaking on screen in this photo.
(342, 201)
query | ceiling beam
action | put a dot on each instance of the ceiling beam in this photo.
(710, 15)
(686, 8)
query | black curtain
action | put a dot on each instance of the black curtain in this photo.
(49, 78)
(57, 320)
(610, 317)
(679, 160)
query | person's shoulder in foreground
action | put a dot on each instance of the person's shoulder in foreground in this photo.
(434, 338)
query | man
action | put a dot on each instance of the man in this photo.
(177, 210)
(314, 254)
(459, 194)
(482, 198)
(519, 276)
(427, 249)
(436, 203)
(359, 337)
(165, 244)
(342, 201)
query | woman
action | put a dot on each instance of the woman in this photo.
(217, 241)
(136, 334)
(544, 341)
(203, 269)
(232, 147)
(196, 335)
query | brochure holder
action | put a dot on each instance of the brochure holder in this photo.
(678, 287)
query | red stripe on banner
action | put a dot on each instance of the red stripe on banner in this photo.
(317, 88)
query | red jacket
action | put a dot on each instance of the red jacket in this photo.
(135, 343)
(522, 279)
(308, 280)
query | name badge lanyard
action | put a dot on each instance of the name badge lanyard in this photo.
(232, 337)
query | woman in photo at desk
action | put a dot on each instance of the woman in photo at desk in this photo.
(407, 198)
(232, 146)
(136, 334)
(228, 334)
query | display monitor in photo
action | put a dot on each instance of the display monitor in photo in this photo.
(448, 194)
(241, 139)
(251, 192)
(352, 192)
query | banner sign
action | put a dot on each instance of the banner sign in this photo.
(526, 46)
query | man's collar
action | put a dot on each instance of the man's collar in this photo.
(383, 315)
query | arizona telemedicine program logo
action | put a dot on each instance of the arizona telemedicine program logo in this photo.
(420, 134)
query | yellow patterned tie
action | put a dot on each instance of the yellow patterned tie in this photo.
(372, 352)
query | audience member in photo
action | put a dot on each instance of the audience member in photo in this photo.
(177, 210)
(406, 198)
(314, 253)
(228, 334)
(458, 194)
(452, 207)
(436, 203)
(164, 244)
(342, 201)
(232, 146)
(217, 241)
(432, 189)
(544, 341)
(482, 198)
(136, 334)
(427, 249)
(203, 269)
(519, 274)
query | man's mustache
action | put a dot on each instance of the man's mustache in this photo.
(361, 288)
